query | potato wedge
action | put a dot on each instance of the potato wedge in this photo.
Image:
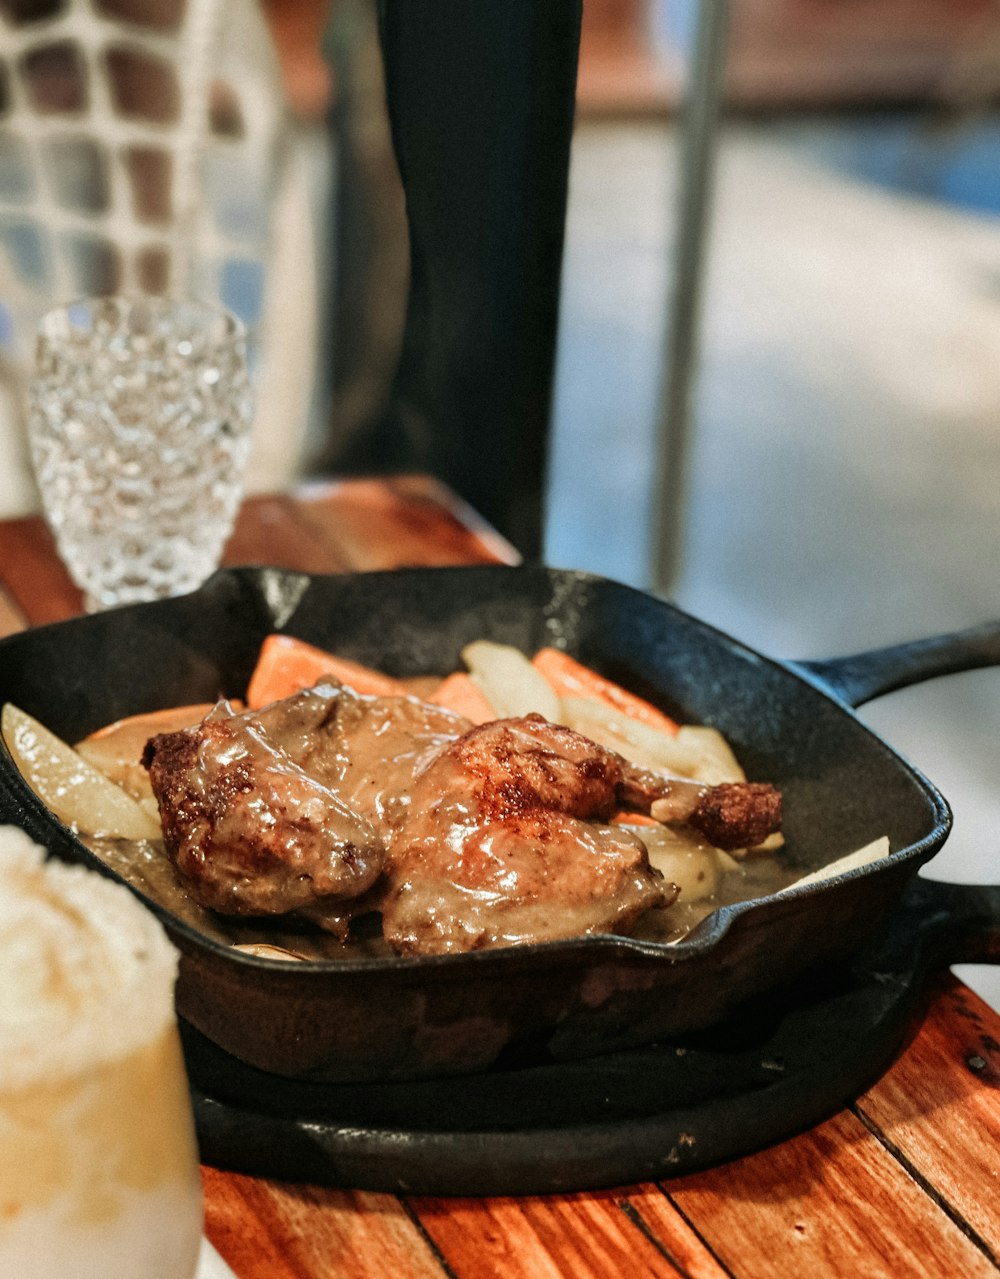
(510, 682)
(264, 950)
(694, 867)
(116, 750)
(872, 852)
(74, 790)
(704, 754)
(701, 754)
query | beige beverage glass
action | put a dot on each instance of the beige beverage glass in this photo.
(139, 422)
(99, 1175)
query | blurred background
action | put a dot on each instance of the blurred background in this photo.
(841, 475)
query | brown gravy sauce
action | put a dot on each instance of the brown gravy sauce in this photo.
(756, 877)
(145, 866)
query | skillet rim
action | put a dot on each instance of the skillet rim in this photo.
(708, 934)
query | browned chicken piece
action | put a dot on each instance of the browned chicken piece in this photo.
(731, 815)
(735, 815)
(330, 803)
(367, 749)
(249, 832)
(505, 842)
(288, 808)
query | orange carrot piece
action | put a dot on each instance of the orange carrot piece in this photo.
(287, 665)
(624, 818)
(570, 678)
(116, 749)
(149, 723)
(460, 693)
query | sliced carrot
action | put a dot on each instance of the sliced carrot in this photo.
(149, 723)
(624, 818)
(460, 693)
(287, 665)
(116, 749)
(570, 678)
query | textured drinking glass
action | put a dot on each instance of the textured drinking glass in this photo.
(99, 1172)
(140, 415)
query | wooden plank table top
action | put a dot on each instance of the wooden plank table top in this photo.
(905, 1181)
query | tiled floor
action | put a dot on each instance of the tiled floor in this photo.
(844, 486)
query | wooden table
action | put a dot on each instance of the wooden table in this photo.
(903, 1182)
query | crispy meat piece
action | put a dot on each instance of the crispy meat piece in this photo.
(329, 803)
(248, 830)
(367, 749)
(520, 765)
(738, 814)
(505, 842)
(288, 809)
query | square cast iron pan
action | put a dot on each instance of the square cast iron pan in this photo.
(393, 1019)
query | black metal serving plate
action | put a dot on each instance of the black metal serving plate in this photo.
(784, 1062)
(593, 1061)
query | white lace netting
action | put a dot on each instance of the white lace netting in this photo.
(143, 145)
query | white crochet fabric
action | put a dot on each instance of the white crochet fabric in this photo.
(141, 147)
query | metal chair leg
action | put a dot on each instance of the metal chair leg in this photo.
(699, 139)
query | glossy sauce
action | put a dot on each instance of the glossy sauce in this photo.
(145, 865)
(371, 760)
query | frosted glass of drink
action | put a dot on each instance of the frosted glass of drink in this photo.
(99, 1176)
(139, 422)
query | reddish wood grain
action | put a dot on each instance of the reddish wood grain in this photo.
(831, 1202)
(33, 574)
(633, 1232)
(12, 619)
(404, 521)
(271, 1230)
(940, 1107)
(274, 530)
(326, 527)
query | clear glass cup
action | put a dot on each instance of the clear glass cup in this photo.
(99, 1173)
(140, 413)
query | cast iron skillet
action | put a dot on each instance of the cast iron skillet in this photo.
(404, 1018)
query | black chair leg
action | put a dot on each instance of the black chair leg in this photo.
(481, 100)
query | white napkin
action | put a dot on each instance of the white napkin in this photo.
(211, 1265)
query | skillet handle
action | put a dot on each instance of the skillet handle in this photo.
(963, 921)
(864, 676)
